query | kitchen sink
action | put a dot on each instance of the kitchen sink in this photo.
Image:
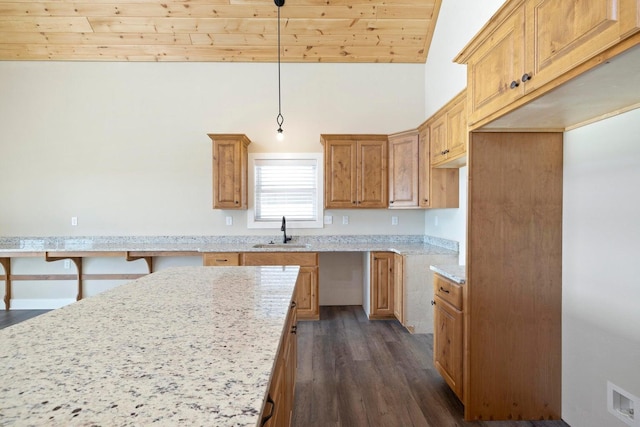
(280, 246)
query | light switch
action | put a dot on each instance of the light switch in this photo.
(328, 219)
(74, 220)
(394, 220)
(345, 219)
(229, 220)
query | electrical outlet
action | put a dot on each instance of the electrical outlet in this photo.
(74, 220)
(67, 264)
(345, 219)
(394, 220)
(622, 404)
(328, 219)
(229, 220)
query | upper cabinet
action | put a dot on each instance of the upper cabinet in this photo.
(355, 171)
(530, 47)
(448, 133)
(230, 163)
(403, 170)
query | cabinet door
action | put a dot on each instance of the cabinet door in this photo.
(382, 285)
(495, 66)
(403, 171)
(438, 133)
(424, 168)
(340, 174)
(563, 34)
(372, 174)
(447, 344)
(307, 294)
(457, 130)
(230, 171)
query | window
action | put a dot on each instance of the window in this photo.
(288, 185)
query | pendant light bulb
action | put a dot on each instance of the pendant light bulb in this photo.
(280, 135)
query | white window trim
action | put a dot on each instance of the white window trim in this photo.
(291, 224)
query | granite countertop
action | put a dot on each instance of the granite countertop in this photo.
(457, 273)
(186, 345)
(405, 245)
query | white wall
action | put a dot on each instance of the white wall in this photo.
(601, 295)
(458, 22)
(123, 146)
(601, 287)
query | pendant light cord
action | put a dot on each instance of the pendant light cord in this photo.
(279, 119)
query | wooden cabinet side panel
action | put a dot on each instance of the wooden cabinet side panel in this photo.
(398, 288)
(403, 171)
(514, 273)
(565, 34)
(372, 174)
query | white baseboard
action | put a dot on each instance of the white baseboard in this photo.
(40, 304)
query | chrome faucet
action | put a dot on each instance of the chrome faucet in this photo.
(283, 228)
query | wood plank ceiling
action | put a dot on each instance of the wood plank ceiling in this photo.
(217, 30)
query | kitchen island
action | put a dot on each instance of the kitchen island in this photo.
(186, 345)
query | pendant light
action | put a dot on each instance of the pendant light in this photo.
(279, 118)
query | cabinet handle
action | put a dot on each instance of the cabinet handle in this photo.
(293, 304)
(444, 290)
(514, 84)
(526, 77)
(433, 302)
(446, 151)
(222, 260)
(273, 410)
(294, 329)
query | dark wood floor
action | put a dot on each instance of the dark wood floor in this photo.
(11, 317)
(354, 372)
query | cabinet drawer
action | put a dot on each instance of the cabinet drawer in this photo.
(221, 258)
(280, 258)
(447, 290)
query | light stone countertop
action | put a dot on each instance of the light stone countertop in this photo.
(457, 273)
(405, 245)
(183, 346)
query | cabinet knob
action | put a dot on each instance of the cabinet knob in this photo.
(514, 84)
(294, 329)
(433, 302)
(526, 77)
(236, 202)
(390, 201)
(354, 202)
(426, 200)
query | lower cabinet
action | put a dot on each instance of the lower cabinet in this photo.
(307, 284)
(386, 286)
(448, 332)
(278, 408)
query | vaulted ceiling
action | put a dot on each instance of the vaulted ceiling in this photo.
(217, 30)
